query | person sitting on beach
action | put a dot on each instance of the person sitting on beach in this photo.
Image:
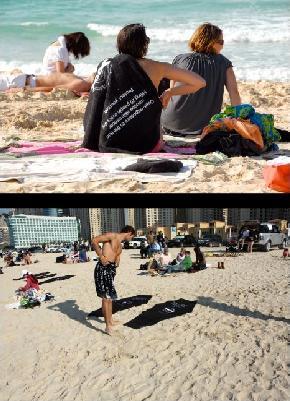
(200, 262)
(45, 83)
(189, 114)
(165, 258)
(56, 57)
(31, 282)
(181, 255)
(124, 108)
(27, 258)
(8, 258)
(183, 266)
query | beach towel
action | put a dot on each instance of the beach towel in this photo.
(124, 303)
(22, 148)
(83, 167)
(277, 174)
(123, 110)
(161, 312)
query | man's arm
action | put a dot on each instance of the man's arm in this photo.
(95, 244)
(117, 260)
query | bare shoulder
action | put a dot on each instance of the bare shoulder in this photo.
(161, 65)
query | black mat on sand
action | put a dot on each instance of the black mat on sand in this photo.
(161, 312)
(124, 303)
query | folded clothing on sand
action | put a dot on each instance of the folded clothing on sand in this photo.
(12, 81)
(155, 166)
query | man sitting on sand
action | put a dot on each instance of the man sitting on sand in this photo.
(105, 270)
(45, 83)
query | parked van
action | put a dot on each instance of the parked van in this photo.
(266, 235)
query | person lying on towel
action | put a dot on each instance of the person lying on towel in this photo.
(124, 108)
(45, 83)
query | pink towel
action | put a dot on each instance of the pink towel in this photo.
(51, 148)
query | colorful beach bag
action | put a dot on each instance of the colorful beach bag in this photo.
(277, 174)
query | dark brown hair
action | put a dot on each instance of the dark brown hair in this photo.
(204, 37)
(132, 39)
(78, 44)
(128, 229)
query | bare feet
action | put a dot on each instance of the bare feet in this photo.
(109, 330)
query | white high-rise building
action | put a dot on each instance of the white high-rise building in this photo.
(29, 230)
(106, 220)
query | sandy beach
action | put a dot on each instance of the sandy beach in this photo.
(232, 346)
(58, 117)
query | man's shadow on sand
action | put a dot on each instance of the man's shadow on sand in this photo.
(208, 301)
(72, 310)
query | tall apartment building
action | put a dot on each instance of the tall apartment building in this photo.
(29, 230)
(106, 220)
(162, 217)
(236, 215)
(136, 217)
(4, 231)
(84, 217)
(265, 214)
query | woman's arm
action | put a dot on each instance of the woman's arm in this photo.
(189, 82)
(59, 66)
(232, 87)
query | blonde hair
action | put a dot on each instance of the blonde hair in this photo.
(204, 37)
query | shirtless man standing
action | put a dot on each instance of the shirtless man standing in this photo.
(105, 270)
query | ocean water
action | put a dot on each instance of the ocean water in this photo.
(256, 32)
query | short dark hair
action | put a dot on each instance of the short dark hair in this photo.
(128, 229)
(132, 39)
(78, 44)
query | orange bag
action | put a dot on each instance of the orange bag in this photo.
(277, 174)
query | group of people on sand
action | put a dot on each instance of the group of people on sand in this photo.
(133, 100)
(163, 263)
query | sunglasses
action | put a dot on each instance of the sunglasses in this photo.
(220, 42)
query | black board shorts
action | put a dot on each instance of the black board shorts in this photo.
(104, 280)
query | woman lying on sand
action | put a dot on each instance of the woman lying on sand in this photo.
(123, 111)
(45, 83)
(189, 114)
